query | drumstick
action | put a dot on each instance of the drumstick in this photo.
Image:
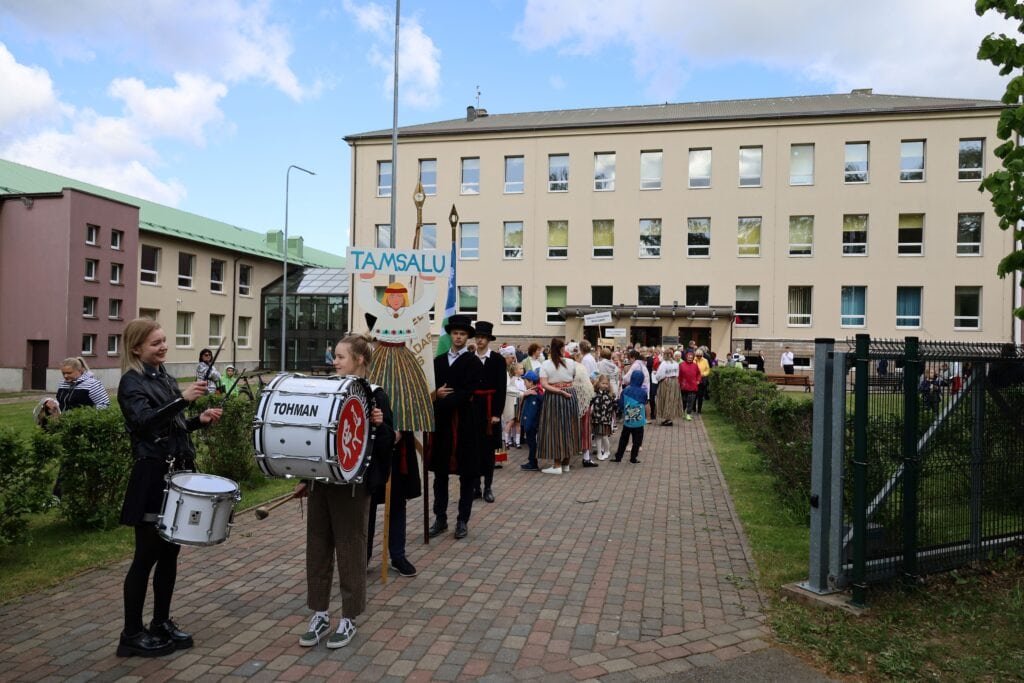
(264, 512)
(206, 377)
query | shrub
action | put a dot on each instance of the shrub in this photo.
(23, 489)
(226, 449)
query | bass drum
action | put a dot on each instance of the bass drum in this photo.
(314, 428)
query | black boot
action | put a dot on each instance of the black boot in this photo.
(439, 526)
(143, 644)
(169, 630)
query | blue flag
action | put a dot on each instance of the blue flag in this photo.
(444, 342)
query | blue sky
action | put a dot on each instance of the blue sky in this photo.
(203, 106)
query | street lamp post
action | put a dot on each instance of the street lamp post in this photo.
(284, 278)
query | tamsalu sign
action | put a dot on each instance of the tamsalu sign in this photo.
(602, 318)
(429, 262)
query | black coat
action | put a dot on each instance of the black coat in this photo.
(405, 471)
(493, 378)
(383, 444)
(456, 450)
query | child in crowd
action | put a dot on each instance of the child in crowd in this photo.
(602, 412)
(529, 415)
(633, 401)
(510, 416)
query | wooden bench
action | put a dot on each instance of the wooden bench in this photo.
(791, 381)
(885, 383)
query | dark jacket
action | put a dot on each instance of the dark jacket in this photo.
(493, 380)
(84, 392)
(405, 471)
(455, 448)
(379, 469)
(529, 411)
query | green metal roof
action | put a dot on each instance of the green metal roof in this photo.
(164, 220)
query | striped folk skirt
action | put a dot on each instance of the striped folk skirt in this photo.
(395, 368)
(558, 434)
(669, 400)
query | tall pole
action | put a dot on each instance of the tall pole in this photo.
(394, 136)
(284, 274)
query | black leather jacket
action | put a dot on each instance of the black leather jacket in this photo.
(153, 408)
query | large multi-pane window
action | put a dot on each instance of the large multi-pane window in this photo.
(558, 239)
(470, 176)
(216, 329)
(855, 234)
(801, 235)
(650, 238)
(468, 302)
(113, 344)
(512, 240)
(514, 175)
(908, 307)
(971, 159)
(801, 164)
(244, 327)
(383, 233)
(149, 264)
(650, 170)
(511, 304)
(183, 329)
(555, 298)
(967, 308)
(604, 171)
(748, 305)
(700, 168)
(855, 162)
(698, 295)
(428, 176)
(244, 279)
(217, 275)
(600, 295)
(91, 266)
(852, 302)
(698, 237)
(799, 306)
(968, 234)
(469, 241)
(750, 166)
(186, 269)
(383, 178)
(748, 236)
(558, 173)
(648, 295)
(604, 238)
(912, 161)
(910, 234)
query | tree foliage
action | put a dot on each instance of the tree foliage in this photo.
(1006, 185)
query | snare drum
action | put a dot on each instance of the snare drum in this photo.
(197, 508)
(314, 428)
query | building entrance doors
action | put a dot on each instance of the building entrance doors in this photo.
(39, 350)
(701, 335)
(645, 336)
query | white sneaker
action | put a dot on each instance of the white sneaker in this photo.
(603, 455)
(565, 469)
(552, 470)
(343, 636)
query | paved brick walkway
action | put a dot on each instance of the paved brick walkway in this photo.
(623, 572)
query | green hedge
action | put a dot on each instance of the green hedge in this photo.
(24, 486)
(226, 449)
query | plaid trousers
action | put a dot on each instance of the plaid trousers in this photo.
(336, 528)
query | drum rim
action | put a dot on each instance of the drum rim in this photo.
(171, 483)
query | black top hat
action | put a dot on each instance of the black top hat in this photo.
(484, 329)
(460, 322)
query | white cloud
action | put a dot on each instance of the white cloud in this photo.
(181, 112)
(28, 92)
(922, 47)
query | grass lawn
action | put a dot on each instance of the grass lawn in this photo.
(18, 415)
(962, 626)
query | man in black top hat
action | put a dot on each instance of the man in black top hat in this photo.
(455, 447)
(488, 404)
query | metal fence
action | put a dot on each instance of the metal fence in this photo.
(918, 458)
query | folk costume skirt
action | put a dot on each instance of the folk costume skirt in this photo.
(558, 435)
(395, 368)
(670, 401)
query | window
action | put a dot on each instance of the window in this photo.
(116, 273)
(698, 295)
(114, 309)
(801, 164)
(428, 236)
(468, 301)
(558, 239)
(748, 305)
(244, 325)
(383, 178)
(470, 176)
(604, 172)
(512, 304)
(244, 280)
(748, 236)
(428, 176)
(604, 239)
(469, 241)
(116, 239)
(908, 307)
(92, 234)
(186, 266)
(855, 234)
(149, 267)
(971, 159)
(149, 313)
(650, 170)
(217, 275)
(600, 295)
(968, 234)
(698, 237)
(513, 240)
(90, 268)
(910, 234)
(801, 235)
(113, 343)
(514, 175)
(852, 304)
(88, 344)
(700, 168)
(750, 166)
(648, 295)
(555, 298)
(89, 306)
(799, 307)
(912, 161)
(558, 173)
(967, 308)
(183, 329)
(383, 232)
(216, 329)
(650, 238)
(855, 165)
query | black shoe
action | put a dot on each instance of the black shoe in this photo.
(144, 644)
(403, 567)
(168, 629)
(438, 527)
(530, 467)
(477, 494)
(589, 463)
(634, 461)
(498, 467)
(618, 459)
(461, 530)
(489, 495)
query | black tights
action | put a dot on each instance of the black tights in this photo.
(150, 550)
